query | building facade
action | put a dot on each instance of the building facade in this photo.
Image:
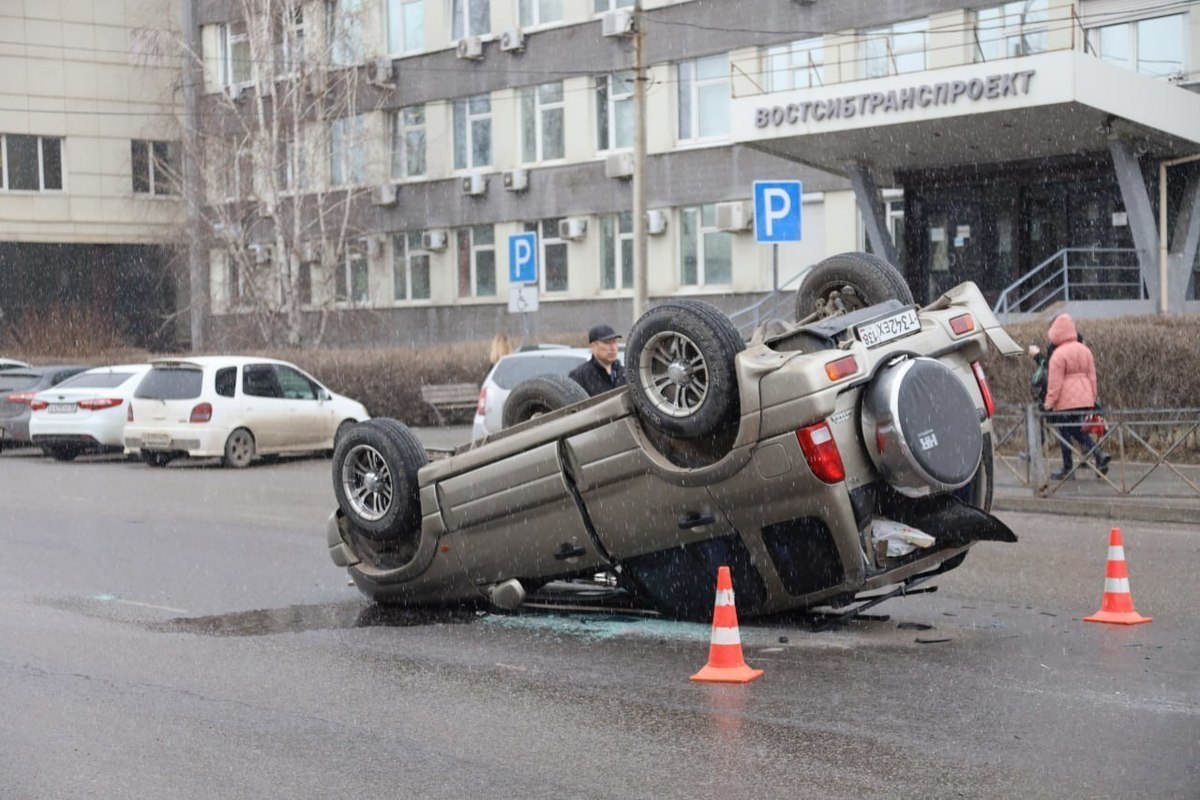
(410, 139)
(89, 157)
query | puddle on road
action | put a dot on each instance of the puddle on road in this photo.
(298, 619)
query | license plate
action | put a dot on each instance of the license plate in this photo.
(60, 408)
(156, 439)
(873, 334)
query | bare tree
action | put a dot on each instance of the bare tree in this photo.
(283, 156)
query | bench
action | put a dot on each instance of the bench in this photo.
(450, 397)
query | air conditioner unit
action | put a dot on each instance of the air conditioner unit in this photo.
(384, 195)
(656, 222)
(470, 47)
(572, 228)
(735, 216)
(619, 165)
(474, 184)
(618, 22)
(381, 71)
(516, 180)
(234, 91)
(433, 240)
(262, 253)
(512, 40)
(374, 246)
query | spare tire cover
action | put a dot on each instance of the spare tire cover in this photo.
(922, 427)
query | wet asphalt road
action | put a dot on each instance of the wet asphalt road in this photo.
(181, 633)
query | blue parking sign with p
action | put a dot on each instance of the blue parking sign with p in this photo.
(522, 258)
(777, 211)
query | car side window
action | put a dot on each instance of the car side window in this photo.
(226, 381)
(258, 380)
(294, 385)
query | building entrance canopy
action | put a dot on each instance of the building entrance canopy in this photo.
(1040, 106)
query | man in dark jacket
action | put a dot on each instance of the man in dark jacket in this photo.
(603, 371)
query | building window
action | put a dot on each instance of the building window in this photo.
(410, 267)
(344, 31)
(470, 18)
(289, 49)
(155, 167)
(30, 163)
(352, 279)
(706, 253)
(616, 251)
(1011, 29)
(476, 261)
(408, 142)
(230, 168)
(235, 66)
(895, 49)
(293, 166)
(542, 122)
(609, 5)
(540, 12)
(704, 97)
(347, 152)
(473, 132)
(799, 65)
(1150, 46)
(552, 254)
(614, 111)
(405, 26)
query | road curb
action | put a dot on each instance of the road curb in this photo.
(1139, 512)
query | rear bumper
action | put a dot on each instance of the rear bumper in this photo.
(197, 443)
(14, 428)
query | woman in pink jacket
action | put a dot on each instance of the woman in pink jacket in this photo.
(1071, 391)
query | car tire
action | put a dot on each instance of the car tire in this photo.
(154, 459)
(239, 449)
(540, 395)
(847, 282)
(681, 369)
(375, 466)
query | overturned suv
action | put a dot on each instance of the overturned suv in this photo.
(793, 458)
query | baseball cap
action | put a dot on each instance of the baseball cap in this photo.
(602, 333)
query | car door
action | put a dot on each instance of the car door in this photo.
(262, 407)
(310, 421)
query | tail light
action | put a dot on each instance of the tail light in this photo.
(201, 412)
(989, 405)
(38, 405)
(100, 403)
(836, 370)
(129, 413)
(481, 406)
(20, 398)
(821, 452)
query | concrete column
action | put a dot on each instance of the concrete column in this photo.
(1139, 211)
(1183, 245)
(871, 206)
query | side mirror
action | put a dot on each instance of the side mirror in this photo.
(324, 395)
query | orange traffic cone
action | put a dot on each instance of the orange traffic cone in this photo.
(725, 662)
(1117, 605)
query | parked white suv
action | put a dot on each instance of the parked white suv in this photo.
(545, 359)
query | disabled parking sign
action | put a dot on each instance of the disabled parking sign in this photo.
(777, 211)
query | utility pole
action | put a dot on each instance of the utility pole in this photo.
(193, 190)
(640, 280)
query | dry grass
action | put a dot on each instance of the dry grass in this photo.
(66, 334)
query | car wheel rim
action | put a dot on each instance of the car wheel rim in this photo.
(367, 482)
(674, 374)
(239, 447)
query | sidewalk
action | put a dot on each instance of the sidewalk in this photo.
(1163, 497)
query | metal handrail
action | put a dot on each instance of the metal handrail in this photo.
(1050, 281)
(749, 317)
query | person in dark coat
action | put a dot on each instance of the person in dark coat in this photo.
(602, 372)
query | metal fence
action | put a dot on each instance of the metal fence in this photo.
(1155, 451)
